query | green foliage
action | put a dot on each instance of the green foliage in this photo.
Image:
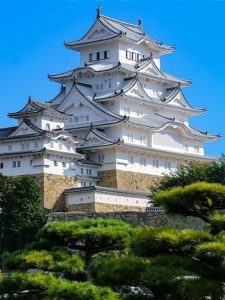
(197, 289)
(212, 252)
(213, 172)
(116, 271)
(199, 199)
(22, 213)
(88, 235)
(58, 260)
(150, 241)
(50, 287)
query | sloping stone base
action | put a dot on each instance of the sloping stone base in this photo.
(52, 188)
(103, 207)
(128, 180)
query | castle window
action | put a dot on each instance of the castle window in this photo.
(82, 171)
(139, 57)
(60, 146)
(142, 139)
(110, 83)
(22, 146)
(55, 163)
(126, 111)
(10, 147)
(168, 165)
(105, 54)
(133, 56)
(90, 57)
(100, 158)
(18, 163)
(64, 164)
(131, 160)
(47, 127)
(27, 146)
(196, 149)
(14, 164)
(155, 163)
(35, 144)
(1, 165)
(143, 161)
(98, 56)
(130, 137)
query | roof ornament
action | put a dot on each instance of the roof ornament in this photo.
(29, 99)
(99, 11)
(140, 23)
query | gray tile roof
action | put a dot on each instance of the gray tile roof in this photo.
(108, 190)
(127, 31)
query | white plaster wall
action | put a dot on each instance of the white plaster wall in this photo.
(30, 164)
(131, 161)
(111, 46)
(106, 198)
(140, 49)
(16, 145)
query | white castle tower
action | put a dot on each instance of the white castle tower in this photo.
(118, 123)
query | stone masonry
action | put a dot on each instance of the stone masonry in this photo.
(128, 180)
(154, 217)
(52, 188)
(102, 207)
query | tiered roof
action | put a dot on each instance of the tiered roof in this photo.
(36, 108)
(106, 28)
(146, 68)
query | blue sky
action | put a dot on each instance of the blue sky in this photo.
(33, 32)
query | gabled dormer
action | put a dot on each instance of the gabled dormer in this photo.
(111, 40)
(43, 115)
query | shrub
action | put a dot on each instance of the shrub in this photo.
(88, 235)
(196, 289)
(58, 260)
(22, 213)
(194, 171)
(49, 287)
(150, 241)
(117, 271)
(199, 199)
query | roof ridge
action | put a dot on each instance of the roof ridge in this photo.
(119, 21)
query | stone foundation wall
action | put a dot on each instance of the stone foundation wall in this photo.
(102, 207)
(128, 180)
(52, 188)
(149, 218)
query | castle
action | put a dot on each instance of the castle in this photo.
(118, 123)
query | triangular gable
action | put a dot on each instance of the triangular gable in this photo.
(97, 32)
(24, 129)
(151, 69)
(136, 90)
(96, 138)
(176, 98)
(76, 104)
(175, 130)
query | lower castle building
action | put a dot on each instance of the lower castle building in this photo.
(117, 124)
